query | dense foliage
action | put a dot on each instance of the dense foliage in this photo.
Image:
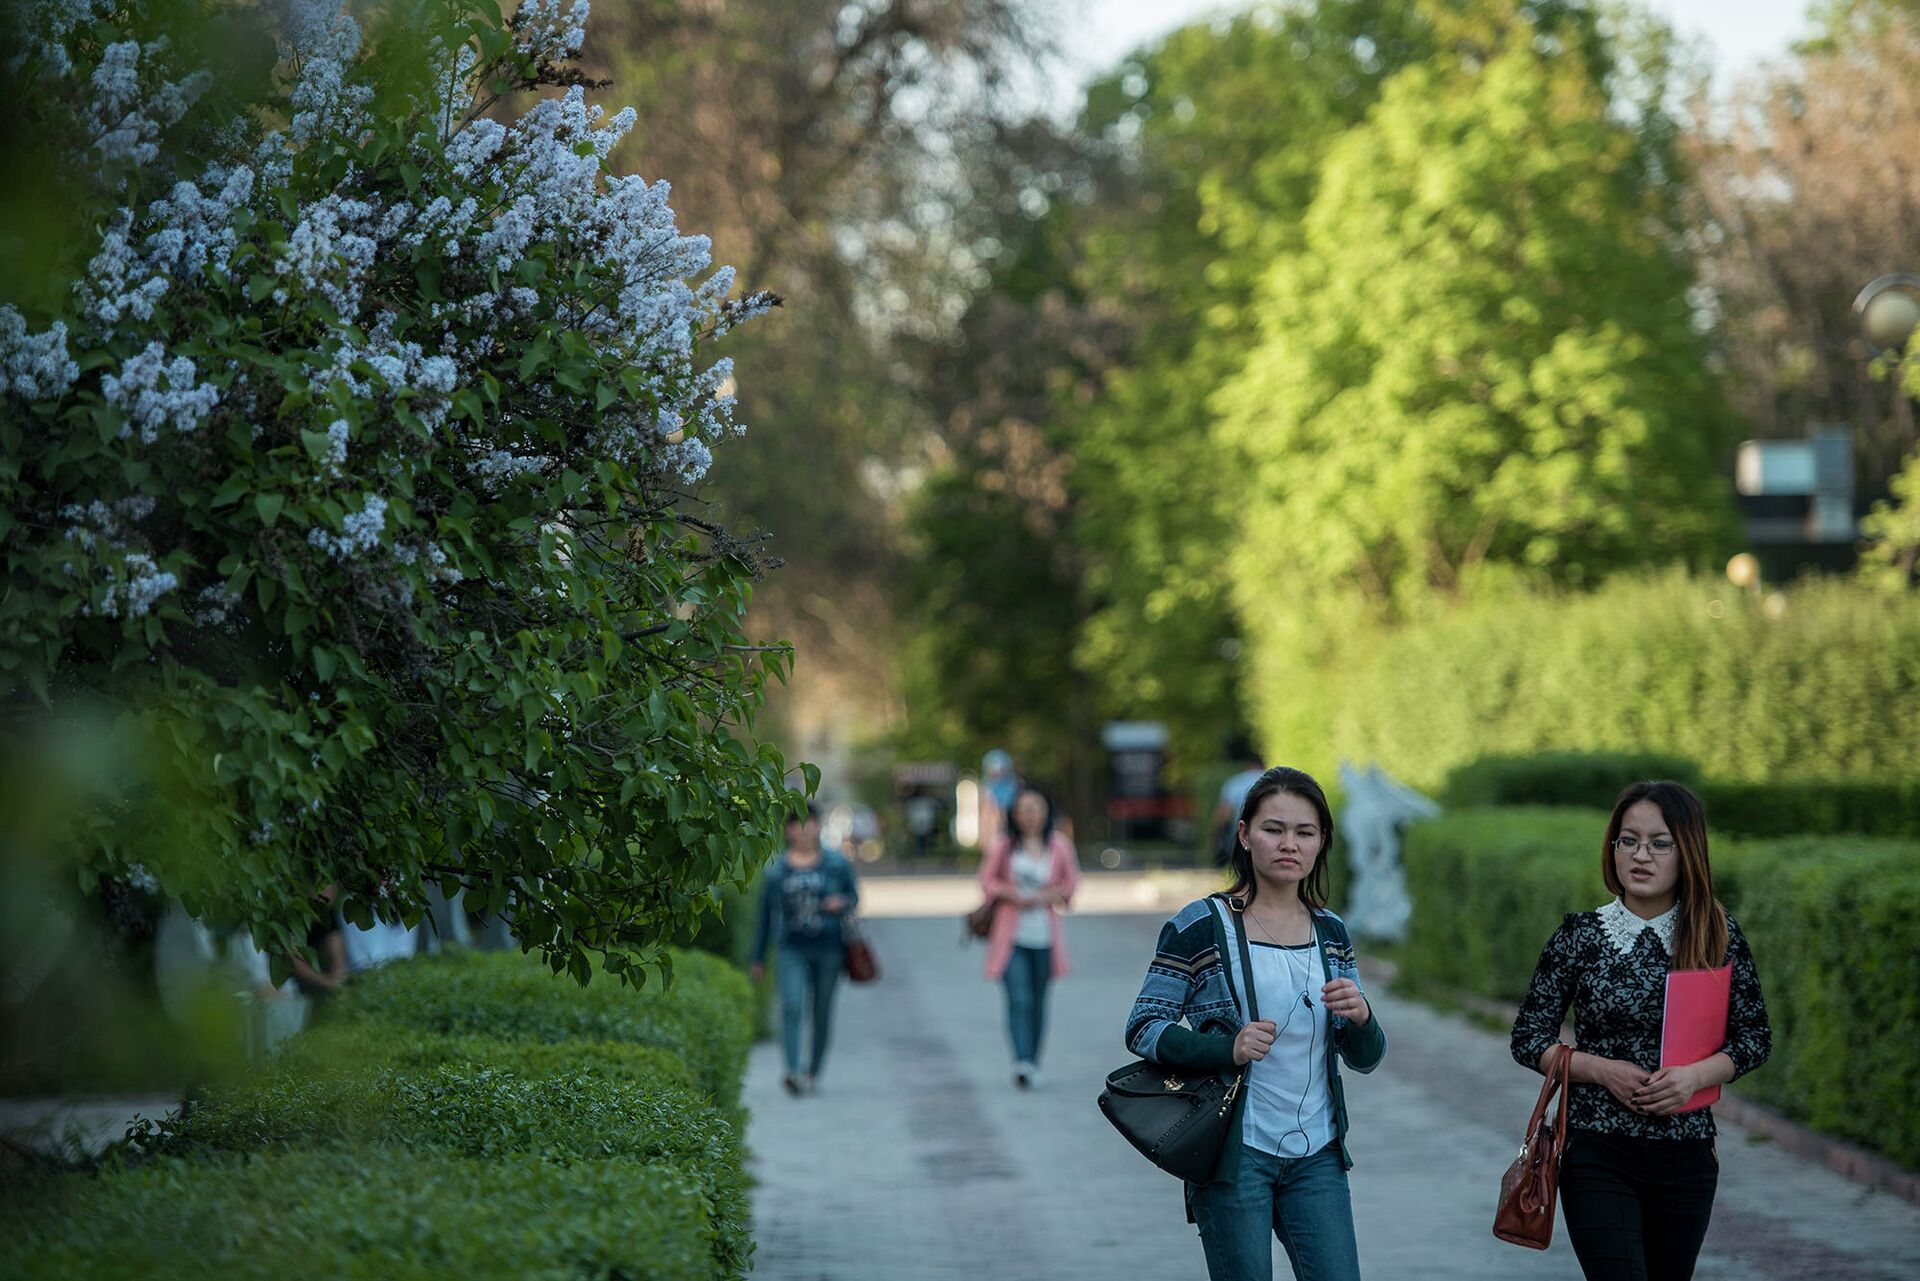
(351, 473)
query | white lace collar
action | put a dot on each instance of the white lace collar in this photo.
(1623, 928)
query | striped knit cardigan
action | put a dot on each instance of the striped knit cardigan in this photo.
(1188, 1010)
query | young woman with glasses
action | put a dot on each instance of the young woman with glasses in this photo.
(1638, 1175)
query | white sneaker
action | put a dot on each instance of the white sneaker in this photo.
(1033, 1077)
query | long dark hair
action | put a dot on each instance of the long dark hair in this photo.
(1283, 778)
(1046, 826)
(1700, 934)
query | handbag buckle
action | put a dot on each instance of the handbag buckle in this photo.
(1173, 1083)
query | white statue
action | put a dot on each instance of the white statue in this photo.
(1376, 807)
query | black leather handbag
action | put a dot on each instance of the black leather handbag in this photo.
(1179, 1120)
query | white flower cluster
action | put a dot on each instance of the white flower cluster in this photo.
(127, 118)
(336, 445)
(137, 585)
(359, 533)
(153, 391)
(516, 227)
(325, 42)
(34, 366)
(41, 28)
(214, 605)
(544, 30)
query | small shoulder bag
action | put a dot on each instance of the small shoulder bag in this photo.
(1524, 1215)
(1176, 1119)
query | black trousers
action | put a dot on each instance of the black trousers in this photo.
(1637, 1209)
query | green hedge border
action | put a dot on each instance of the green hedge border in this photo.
(468, 1115)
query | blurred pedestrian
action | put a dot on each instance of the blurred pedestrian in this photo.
(323, 976)
(1283, 1170)
(999, 785)
(1029, 875)
(805, 900)
(1247, 768)
(1638, 1174)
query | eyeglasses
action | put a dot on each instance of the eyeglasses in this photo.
(1659, 846)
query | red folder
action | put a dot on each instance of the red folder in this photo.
(1695, 1026)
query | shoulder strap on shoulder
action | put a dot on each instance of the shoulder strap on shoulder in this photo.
(1246, 960)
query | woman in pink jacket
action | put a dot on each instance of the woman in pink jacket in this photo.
(1029, 876)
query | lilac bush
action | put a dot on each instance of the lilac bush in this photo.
(353, 472)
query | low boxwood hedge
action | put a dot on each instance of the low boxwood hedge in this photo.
(367, 1043)
(383, 1212)
(1831, 919)
(469, 1115)
(704, 1016)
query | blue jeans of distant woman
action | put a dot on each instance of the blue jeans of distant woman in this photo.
(1301, 1200)
(1028, 972)
(808, 974)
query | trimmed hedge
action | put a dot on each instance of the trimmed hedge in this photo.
(376, 1213)
(1583, 779)
(1795, 806)
(469, 1115)
(1832, 923)
(1828, 685)
(704, 1016)
(337, 1046)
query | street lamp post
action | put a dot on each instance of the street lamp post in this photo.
(1888, 313)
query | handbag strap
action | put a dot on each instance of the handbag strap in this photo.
(1557, 1082)
(1246, 958)
(1566, 1090)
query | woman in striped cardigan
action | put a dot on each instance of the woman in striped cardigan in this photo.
(1283, 1170)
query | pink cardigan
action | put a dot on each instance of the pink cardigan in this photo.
(996, 877)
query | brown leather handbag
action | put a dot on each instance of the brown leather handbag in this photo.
(1527, 1189)
(979, 922)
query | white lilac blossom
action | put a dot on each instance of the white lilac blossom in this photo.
(336, 444)
(128, 119)
(139, 583)
(34, 366)
(41, 28)
(329, 252)
(359, 533)
(547, 31)
(154, 392)
(214, 605)
(325, 39)
(495, 195)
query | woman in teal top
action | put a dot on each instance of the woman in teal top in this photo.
(804, 903)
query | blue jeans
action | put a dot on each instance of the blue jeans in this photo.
(1301, 1200)
(1026, 978)
(808, 975)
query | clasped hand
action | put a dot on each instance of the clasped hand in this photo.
(1658, 1093)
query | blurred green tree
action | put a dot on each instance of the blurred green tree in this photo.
(1481, 366)
(1222, 130)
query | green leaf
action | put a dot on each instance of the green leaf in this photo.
(269, 506)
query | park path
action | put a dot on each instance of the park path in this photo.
(917, 1159)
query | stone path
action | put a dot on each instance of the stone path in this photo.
(918, 1159)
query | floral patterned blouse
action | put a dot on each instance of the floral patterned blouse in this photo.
(1611, 967)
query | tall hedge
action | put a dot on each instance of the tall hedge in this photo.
(1824, 683)
(1831, 919)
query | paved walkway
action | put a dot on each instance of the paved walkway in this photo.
(918, 1159)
